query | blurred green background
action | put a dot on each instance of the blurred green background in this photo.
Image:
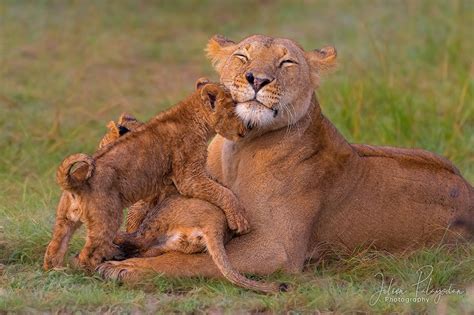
(405, 78)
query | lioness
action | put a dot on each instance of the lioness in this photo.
(302, 184)
(171, 148)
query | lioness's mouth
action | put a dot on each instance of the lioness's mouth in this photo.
(256, 114)
(258, 103)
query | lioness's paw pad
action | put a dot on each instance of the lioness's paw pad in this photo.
(112, 271)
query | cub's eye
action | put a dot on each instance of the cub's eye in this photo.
(242, 57)
(287, 62)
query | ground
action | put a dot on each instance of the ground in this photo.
(405, 78)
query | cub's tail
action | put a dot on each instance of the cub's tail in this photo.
(74, 171)
(215, 247)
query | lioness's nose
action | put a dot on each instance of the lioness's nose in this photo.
(256, 82)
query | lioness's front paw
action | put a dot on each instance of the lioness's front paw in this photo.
(118, 271)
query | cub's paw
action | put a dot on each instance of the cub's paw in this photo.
(52, 262)
(87, 266)
(239, 223)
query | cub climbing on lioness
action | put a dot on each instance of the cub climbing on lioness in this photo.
(68, 213)
(170, 148)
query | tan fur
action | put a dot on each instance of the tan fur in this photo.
(169, 225)
(126, 122)
(180, 224)
(171, 147)
(409, 156)
(304, 186)
(68, 212)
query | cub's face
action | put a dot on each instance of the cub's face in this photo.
(271, 79)
(223, 117)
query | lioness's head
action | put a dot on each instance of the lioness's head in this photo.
(271, 79)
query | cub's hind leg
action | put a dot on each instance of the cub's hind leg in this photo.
(57, 247)
(102, 222)
(67, 221)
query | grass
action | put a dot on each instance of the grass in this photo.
(67, 67)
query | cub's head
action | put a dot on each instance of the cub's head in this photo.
(221, 108)
(271, 79)
(125, 123)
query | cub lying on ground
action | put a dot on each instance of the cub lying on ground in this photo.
(171, 148)
(185, 225)
(68, 213)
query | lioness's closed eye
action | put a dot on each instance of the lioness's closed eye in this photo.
(269, 77)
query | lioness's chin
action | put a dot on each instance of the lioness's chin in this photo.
(255, 114)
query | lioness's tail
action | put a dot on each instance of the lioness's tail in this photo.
(74, 183)
(215, 247)
(465, 221)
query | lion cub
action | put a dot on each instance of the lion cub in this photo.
(68, 213)
(170, 148)
(184, 225)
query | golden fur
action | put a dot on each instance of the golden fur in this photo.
(305, 188)
(169, 224)
(169, 148)
(68, 212)
(180, 224)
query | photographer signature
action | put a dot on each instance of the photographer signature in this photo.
(423, 289)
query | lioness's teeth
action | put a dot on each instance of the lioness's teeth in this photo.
(249, 126)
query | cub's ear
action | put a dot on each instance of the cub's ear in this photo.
(113, 128)
(201, 82)
(321, 60)
(219, 49)
(209, 95)
(126, 117)
(122, 130)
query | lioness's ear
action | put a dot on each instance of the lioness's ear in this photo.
(201, 82)
(209, 95)
(321, 60)
(218, 50)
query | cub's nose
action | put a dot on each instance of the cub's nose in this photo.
(256, 82)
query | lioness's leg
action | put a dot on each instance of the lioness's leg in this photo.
(251, 253)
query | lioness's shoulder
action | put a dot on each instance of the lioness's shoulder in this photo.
(415, 156)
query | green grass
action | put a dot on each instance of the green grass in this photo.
(67, 67)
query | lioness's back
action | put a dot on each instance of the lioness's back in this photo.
(407, 156)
